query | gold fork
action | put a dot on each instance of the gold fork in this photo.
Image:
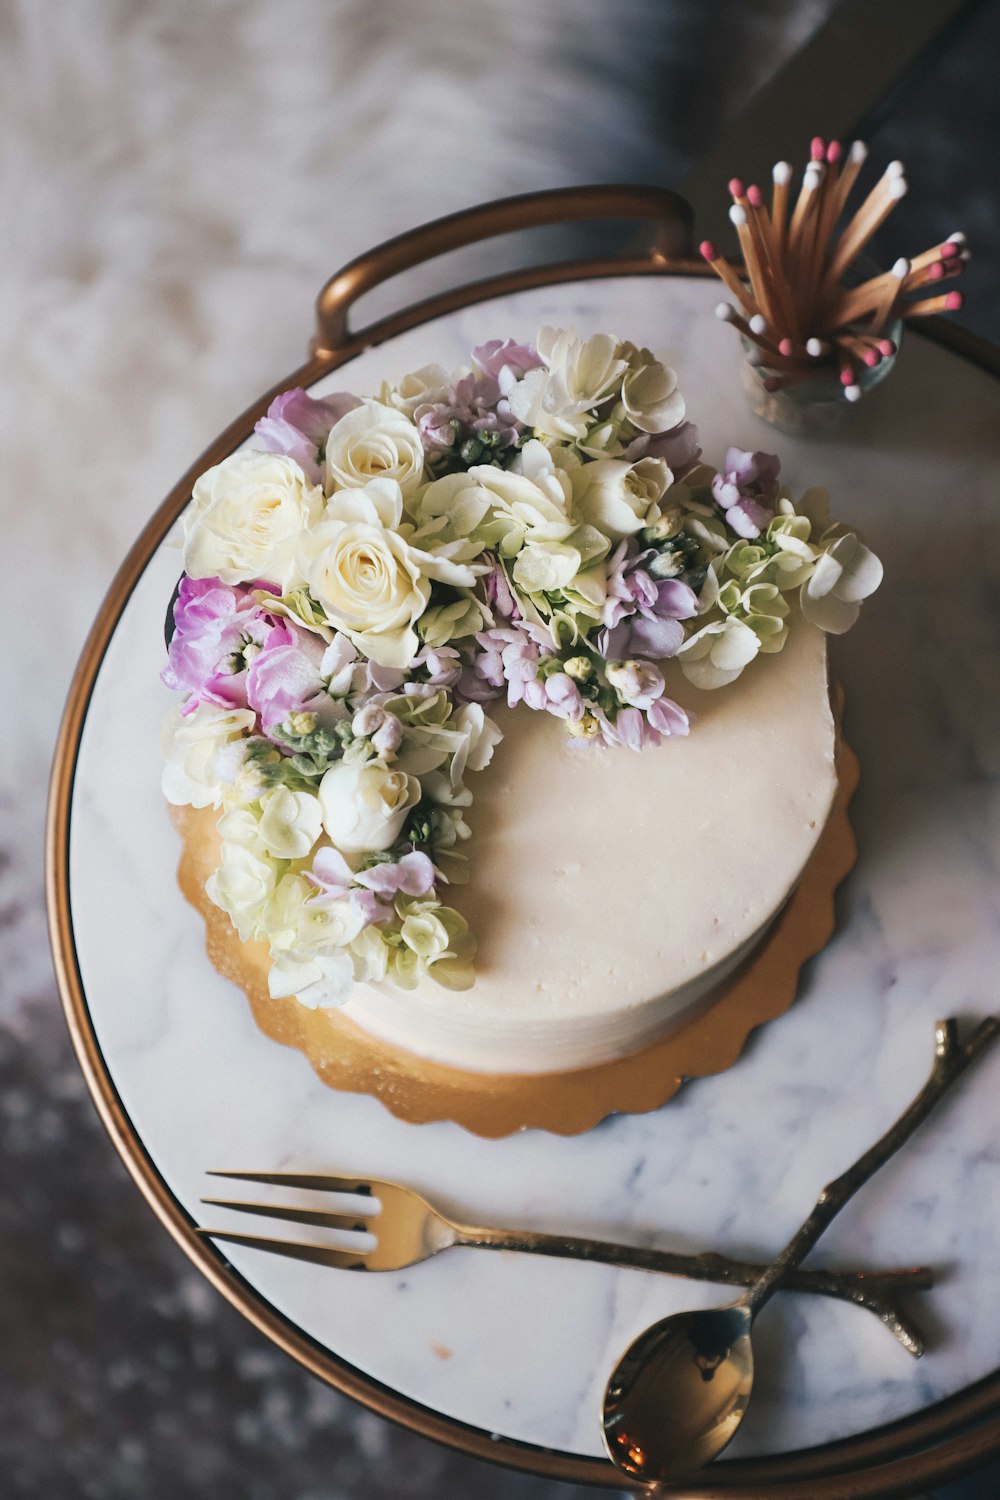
(409, 1230)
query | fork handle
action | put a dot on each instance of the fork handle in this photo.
(875, 1290)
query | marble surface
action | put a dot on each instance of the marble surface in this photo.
(177, 180)
(735, 1161)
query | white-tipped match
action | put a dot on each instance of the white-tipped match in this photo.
(754, 358)
(858, 152)
(895, 169)
(815, 348)
(758, 324)
(964, 255)
(781, 172)
(813, 176)
(898, 188)
(958, 238)
(738, 215)
(901, 268)
(852, 392)
(724, 312)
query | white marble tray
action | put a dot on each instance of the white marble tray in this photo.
(520, 1347)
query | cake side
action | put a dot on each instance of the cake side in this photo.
(611, 900)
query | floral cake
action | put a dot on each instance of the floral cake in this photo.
(522, 569)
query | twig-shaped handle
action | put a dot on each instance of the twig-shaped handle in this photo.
(950, 1062)
(878, 1291)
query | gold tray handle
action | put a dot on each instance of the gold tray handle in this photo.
(671, 241)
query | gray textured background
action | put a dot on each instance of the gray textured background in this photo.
(176, 181)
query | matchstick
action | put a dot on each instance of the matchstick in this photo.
(728, 274)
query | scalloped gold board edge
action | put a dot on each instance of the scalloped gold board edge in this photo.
(495, 1105)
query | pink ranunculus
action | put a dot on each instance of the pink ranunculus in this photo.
(284, 677)
(217, 628)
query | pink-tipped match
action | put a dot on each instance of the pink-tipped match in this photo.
(847, 377)
(886, 347)
(817, 148)
(953, 301)
(708, 250)
(935, 271)
(949, 250)
(834, 152)
(871, 358)
(772, 383)
(736, 187)
(755, 197)
(786, 347)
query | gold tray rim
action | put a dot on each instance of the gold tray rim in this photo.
(949, 1438)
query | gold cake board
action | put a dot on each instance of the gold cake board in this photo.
(566, 1103)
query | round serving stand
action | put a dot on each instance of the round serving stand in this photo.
(505, 1356)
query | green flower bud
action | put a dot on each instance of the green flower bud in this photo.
(579, 668)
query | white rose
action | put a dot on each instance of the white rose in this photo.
(245, 517)
(242, 886)
(531, 501)
(290, 822)
(368, 580)
(365, 807)
(620, 498)
(374, 441)
(197, 768)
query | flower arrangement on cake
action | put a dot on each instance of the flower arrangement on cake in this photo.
(363, 583)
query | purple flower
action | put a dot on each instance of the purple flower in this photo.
(439, 429)
(507, 655)
(218, 629)
(299, 426)
(442, 665)
(499, 595)
(334, 879)
(747, 490)
(680, 447)
(506, 361)
(413, 875)
(285, 678)
(642, 614)
(557, 694)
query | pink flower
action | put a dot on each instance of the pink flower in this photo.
(284, 678)
(218, 629)
(299, 426)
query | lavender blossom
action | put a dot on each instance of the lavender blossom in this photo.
(218, 630)
(680, 447)
(506, 360)
(747, 490)
(299, 426)
(642, 614)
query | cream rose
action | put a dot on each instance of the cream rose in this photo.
(245, 517)
(198, 768)
(620, 498)
(367, 578)
(374, 441)
(365, 807)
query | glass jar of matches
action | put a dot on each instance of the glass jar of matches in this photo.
(820, 324)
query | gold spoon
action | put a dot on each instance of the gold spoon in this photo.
(680, 1391)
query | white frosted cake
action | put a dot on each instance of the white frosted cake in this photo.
(610, 900)
(519, 575)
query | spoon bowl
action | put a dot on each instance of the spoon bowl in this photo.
(679, 1392)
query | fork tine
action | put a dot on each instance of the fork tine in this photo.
(320, 1255)
(320, 1183)
(317, 1216)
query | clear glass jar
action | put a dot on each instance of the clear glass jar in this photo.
(814, 403)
